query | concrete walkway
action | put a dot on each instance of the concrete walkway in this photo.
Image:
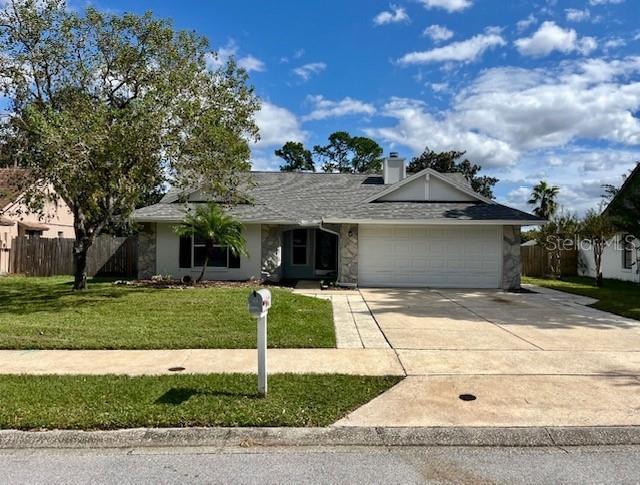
(354, 324)
(199, 361)
(516, 400)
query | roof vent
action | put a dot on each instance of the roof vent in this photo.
(393, 169)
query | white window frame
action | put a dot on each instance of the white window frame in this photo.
(195, 245)
(305, 246)
(630, 249)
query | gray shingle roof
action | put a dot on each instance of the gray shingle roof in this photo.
(294, 198)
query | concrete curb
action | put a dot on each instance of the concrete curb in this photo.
(330, 436)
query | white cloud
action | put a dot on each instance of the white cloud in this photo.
(305, 71)
(550, 37)
(230, 49)
(325, 108)
(535, 109)
(576, 15)
(396, 15)
(439, 87)
(297, 54)
(437, 33)
(277, 125)
(251, 63)
(614, 43)
(448, 5)
(417, 127)
(524, 24)
(464, 51)
(579, 172)
(217, 59)
(507, 113)
(604, 2)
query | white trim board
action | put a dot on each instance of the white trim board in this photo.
(422, 173)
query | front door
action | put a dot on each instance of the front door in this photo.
(326, 253)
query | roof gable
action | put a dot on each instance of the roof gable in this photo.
(425, 186)
(633, 180)
(12, 181)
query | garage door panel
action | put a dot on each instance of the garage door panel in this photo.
(429, 256)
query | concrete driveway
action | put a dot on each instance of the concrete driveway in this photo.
(530, 359)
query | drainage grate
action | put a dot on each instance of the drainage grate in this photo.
(176, 369)
(467, 397)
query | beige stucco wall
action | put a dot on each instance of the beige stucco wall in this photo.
(56, 216)
(167, 256)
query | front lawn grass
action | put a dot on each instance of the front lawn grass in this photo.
(615, 296)
(45, 313)
(111, 402)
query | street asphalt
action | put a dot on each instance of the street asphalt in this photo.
(609, 464)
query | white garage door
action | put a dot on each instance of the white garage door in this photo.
(438, 256)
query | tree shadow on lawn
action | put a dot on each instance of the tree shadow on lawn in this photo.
(26, 296)
(180, 395)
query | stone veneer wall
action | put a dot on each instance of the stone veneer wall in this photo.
(511, 264)
(271, 244)
(348, 254)
(147, 251)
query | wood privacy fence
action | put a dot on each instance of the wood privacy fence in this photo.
(535, 261)
(108, 256)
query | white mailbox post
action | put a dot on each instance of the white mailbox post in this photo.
(259, 302)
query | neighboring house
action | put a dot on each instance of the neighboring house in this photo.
(621, 257)
(530, 242)
(426, 229)
(16, 220)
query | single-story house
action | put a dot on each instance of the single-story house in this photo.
(621, 256)
(388, 230)
(17, 220)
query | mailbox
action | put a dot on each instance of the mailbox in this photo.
(259, 302)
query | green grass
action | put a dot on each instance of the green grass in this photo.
(111, 402)
(615, 296)
(45, 313)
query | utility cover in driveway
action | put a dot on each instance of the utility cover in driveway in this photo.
(436, 256)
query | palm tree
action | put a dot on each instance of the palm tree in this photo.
(544, 198)
(212, 225)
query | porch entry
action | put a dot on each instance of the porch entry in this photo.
(309, 253)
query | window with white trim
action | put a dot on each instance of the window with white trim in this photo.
(219, 257)
(299, 239)
(627, 251)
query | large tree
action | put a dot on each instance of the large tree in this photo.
(597, 229)
(296, 157)
(106, 106)
(449, 162)
(556, 237)
(349, 154)
(543, 197)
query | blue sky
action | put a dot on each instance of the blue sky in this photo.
(531, 89)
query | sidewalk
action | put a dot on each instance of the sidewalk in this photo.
(355, 326)
(200, 361)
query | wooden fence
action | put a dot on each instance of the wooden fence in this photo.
(108, 256)
(535, 261)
